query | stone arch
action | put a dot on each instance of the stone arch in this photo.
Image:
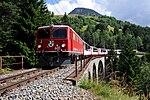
(100, 70)
(94, 71)
(89, 76)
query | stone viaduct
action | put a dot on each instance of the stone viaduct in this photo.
(95, 70)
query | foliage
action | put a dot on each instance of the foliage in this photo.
(18, 21)
(19, 18)
(107, 32)
(7, 19)
(7, 69)
(146, 57)
(128, 62)
(105, 92)
(104, 31)
(143, 80)
(65, 20)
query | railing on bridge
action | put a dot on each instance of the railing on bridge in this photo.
(13, 63)
(79, 68)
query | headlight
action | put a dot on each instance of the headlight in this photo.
(39, 46)
(63, 45)
(50, 43)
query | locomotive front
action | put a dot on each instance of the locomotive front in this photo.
(51, 44)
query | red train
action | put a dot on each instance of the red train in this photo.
(57, 44)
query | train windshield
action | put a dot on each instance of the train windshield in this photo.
(59, 33)
(42, 34)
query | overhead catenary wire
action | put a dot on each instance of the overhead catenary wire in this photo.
(60, 6)
(64, 8)
(55, 7)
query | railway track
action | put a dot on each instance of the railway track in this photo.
(8, 83)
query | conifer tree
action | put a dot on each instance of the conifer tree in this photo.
(20, 17)
(65, 19)
(143, 80)
(128, 62)
(33, 13)
(8, 16)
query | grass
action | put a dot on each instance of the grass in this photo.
(103, 91)
(6, 69)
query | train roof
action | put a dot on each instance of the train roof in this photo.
(50, 26)
(60, 26)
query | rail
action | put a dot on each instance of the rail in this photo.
(3, 57)
(18, 75)
(24, 78)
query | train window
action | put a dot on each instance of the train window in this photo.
(95, 50)
(110, 52)
(103, 50)
(87, 47)
(42, 34)
(59, 33)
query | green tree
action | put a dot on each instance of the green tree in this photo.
(128, 62)
(101, 26)
(52, 14)
(119, 39)
(139, 43)
(146, 43)
(89, 35)
(143, 80)
(33, 14)
(20, 18)
(96, 37)
(65, 19)
(8, 17)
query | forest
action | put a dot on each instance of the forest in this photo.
(19, 18)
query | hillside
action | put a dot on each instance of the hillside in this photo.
(104, 31)
(84, 11)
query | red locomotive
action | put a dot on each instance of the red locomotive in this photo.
(55, 42)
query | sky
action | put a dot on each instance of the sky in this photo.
(134, 11)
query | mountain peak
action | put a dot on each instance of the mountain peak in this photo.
(85, 11)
